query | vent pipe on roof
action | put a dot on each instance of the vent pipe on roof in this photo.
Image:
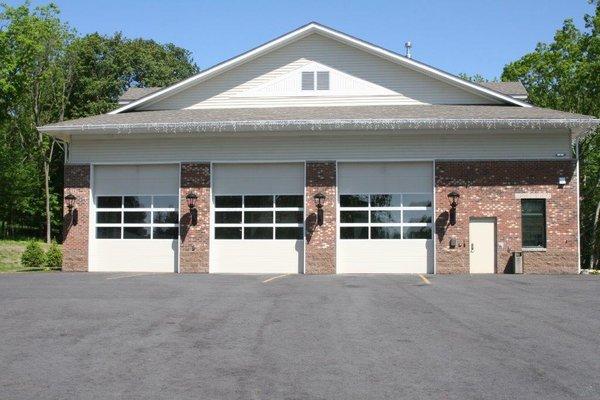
(408, 46)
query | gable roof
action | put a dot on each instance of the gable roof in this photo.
(136, 93)
(513, 89)
(304, 31)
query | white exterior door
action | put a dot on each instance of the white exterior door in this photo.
(257, 218)
(482, 245)
(134, 217)
(385, 217)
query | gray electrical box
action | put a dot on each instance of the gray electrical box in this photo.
(518, 262)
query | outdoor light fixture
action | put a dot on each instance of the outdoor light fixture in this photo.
(70, 201)
(562, 181)
(319, 199)
(191, 202)
(453, 196)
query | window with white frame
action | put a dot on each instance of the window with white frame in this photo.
(315, 80)
(386, 216)
(262, 217)
(137, 217)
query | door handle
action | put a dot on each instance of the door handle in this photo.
(472, 247)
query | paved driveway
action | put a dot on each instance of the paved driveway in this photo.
(109, 336)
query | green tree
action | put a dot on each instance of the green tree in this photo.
(565, 75)
(47, 74)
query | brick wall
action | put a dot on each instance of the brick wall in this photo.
(194, 240)
(76, 237)
(489, 189)
(320, 240)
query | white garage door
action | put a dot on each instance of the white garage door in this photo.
(258, 214)
(135, 218)
(385, 218)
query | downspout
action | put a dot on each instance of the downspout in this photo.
(578, 206)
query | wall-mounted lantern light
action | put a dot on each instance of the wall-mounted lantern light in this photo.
(70, 200)
(562, 181)
(319, 200)
(453, 196)
(191, 198)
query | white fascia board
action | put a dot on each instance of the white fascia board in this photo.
(301, 32)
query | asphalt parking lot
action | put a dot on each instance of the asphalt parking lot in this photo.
(116, 336)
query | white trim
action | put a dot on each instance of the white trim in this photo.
(92, 212)
(337, 217)
(578, 206)
(303, 31)
(178, 266)
(434, 233)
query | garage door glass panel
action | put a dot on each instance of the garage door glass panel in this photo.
(386, 200)
(165, 233)
(354, 232)
(136, 232)
(289, 201)
(258, 233)
(258, 201)
(228, 217)
(137, 217)
(414, 232)
(289, 217)
(416, 200)
(259, 217)
(228, 233)
(354, 200)
(138, 201)
(228, 201)
(354, 217)
(165, 217)
(165, 202)
(108, 233)
(394, 216)
(417, 216)
(288, 233)
(108, 217)
(109, 202)
(386, 216)
(386, 232)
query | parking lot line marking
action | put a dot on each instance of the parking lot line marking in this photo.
(425, 280)
(126, 276)
(273, 278)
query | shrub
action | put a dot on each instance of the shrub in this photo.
(33, 256)
(53, 257)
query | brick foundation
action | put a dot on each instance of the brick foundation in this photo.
(76, 237)
(320, 240)
(194, 240)
(489, 189)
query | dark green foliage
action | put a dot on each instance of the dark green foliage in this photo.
(565, 75)
(33, 257)
(47, 74)
(53, 257)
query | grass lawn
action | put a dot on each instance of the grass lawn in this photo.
(10, 255)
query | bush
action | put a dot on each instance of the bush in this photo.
(33, 256)
(53, 257)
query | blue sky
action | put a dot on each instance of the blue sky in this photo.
(472, 36)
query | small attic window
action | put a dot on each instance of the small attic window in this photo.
(315, 80)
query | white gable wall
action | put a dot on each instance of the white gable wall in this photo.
(391, 83)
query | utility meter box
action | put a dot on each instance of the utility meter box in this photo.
(518, 262)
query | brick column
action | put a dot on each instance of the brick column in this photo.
(194, 240)
(320, 240)
(494, 189)
(76, 237)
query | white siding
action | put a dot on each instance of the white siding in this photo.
(405, 85)
(366, 146)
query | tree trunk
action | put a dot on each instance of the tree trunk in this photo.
(594, 237)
